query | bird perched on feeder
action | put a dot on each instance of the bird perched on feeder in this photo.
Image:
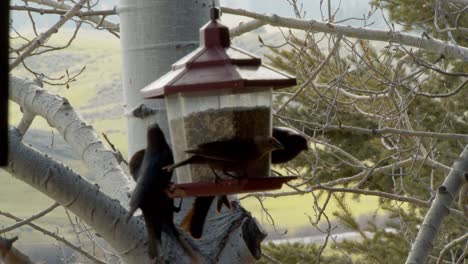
(293, 144)
(237, 155)
(232, 155)
(149, 194)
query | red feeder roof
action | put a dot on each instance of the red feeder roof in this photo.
(216, 65)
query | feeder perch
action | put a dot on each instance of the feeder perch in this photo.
(218, 92)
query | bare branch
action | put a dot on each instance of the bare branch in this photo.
(63, 12)
(380, 131)
(431, 45)
(79, 196)
(312, 75)
(385, 195)
(439, 210)
(111, 27)
(54, 236)
(245, 27)
(41, 39)
(453, 243)
(80, 136)
(28, 220)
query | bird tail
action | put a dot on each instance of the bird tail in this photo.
(154, 231)
(195, 219)
(223, 200)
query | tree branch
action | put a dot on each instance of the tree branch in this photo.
(453, 243)
(42, 38)
(54, 236)
(28, 220)
(80, 136)
(62, 12)
(439, 210)
(431, 45)
(97, 20)
(380, 131)
(82, 198)
(245, 27)
(313, 75)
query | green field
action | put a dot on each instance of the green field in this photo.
(99, 85)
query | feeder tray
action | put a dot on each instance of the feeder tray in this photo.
(223, 187)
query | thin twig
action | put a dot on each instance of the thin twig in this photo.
(30, 219)
(312, 75)
(56, 237)
(41, 39)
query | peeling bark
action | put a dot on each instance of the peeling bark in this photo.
(80, 136)
(449, 189)
(84, 199)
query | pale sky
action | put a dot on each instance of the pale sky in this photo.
(348, 8)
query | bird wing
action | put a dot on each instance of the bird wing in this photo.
(231, 150)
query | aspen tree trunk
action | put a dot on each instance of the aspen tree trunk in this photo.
(154, 35)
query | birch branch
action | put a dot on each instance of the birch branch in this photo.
(80, 14)
(380, 131)
(387, 168)
(42, 38)
(29, 220)
(432, 45)
(82, 198)
(461, 2)
(313, 75)
(80, 136)
(424, 242)
(390, 196)
(97, 20)
(453, 243)
(55, 236)
(245, 27)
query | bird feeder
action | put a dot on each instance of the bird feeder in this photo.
(217, 92)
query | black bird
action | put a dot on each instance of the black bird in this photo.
(231, 155)
(149, 194)
(293, 144)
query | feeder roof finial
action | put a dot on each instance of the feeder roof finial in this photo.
(214, 12)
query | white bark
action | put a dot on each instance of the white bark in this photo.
(84, 199)
(245, 27)
(460, 2)
(80, 136)
(424, 242)
(94, 19)
(431, 45)
(154, 35)
(42, 38)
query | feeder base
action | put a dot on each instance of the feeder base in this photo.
(244, 185)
